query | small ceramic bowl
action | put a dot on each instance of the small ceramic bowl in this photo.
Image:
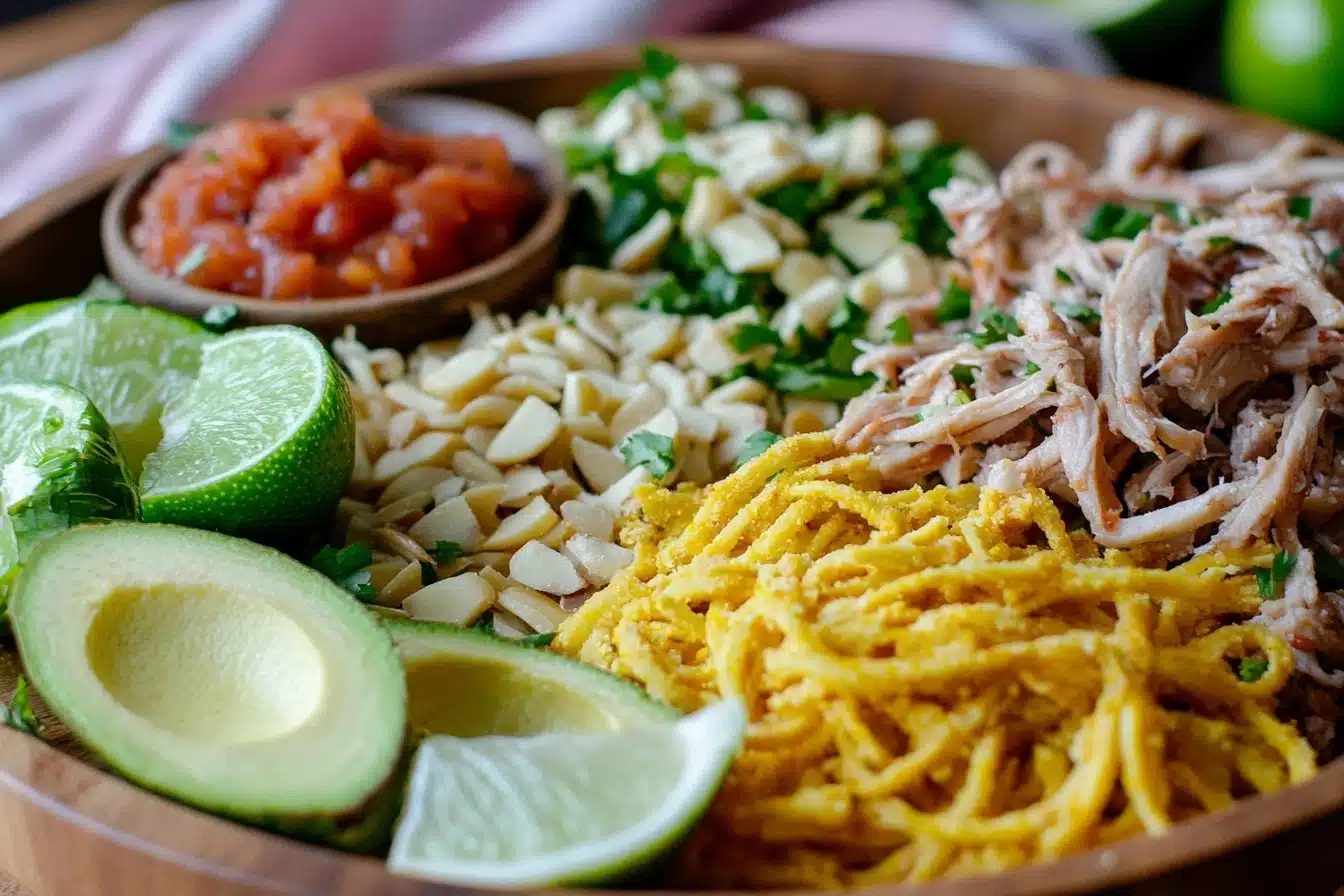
(397, 317)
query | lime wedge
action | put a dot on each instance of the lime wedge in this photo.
(59, 466)
(128, 360)
(1286, 58)
(262, 444)
(561, 808)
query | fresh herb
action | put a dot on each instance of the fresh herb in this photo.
(1174, 211)
(1300, 207)
(665, 294)
(192, 260)
(954, 305)
(1270, 580)
(485, 624)
(754, 111)
(673, 130)
(210, 156)
(18, 713)
(347, 567)
(658, 63)
(1084, 314)
(101, 289)
(900, 331)
(539, 640)
(798, 380)
(581, 155)
(803, 202)
(958, 397)
(995, 326)
(634, 200)
(428, 574)
(1221, 242)
(963, 375)
(1329, 571)
(725, 291)
(754, 446)
(219, 317)
(751, 336)
(1333, 256)
(842, 353)
(649, 450)
(1252, 668)
(181, 133)
(1031, 368)
(1215, 303)
(1063, 276)
(850, 317)
(447, 552)
(1111, 220)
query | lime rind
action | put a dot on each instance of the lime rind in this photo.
(561, 808)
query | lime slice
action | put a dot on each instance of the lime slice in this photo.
(128, 360)
(59, 466)
(263, 442)
(561, 808)
(1286, 58)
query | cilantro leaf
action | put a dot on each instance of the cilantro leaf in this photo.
(347, 567)
(1063, 276)
(428, 574)
(181, 133)
(1084, 314)
(658, 63)
(850, 317)
(954, 305)
(1270, 580)
(485, 624)
(1113, 220)
(1031, 368)
(901, 332)
(799, 380)
(1333, 256)
(751, 336)
(18, 713)
(754, 111)
(1300, 207)
(755, 445)
(581, 155)
(446, 552)
(540, 639)
(1215, 303)
(963, 375)
(649, 450)
(210, 156)
(995, 326)
(219, 317)
(1221, 242)
(1252, 668)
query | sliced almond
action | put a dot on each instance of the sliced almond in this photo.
(598, 466)
(548, 370)
(464, 376)
(452, 521)
(403, 427)
(415, 480)
(532, 427)
(534, 608)
(522, 484)
(484, 503)
(508, 626)
(557, 455)
(589, 426)
(459, 600)
(743, 389)
(479, 438)
(394, 541)
(696, 423)
(474, 468)
(599, 561)
(545, 569)
(641, 248)
(449, 489)
(520, 388)
(402, 393)
(361, 474)
(593, 520)
(564, 487)
(582, 352)
(658, 337)
(384, 571)
(623, 489)
(530, 523)
(404, 511)
(401, 586)
(496, 574)
(581, 396)
(430, 449)
(608, 287)
(696, 463)
(638, 409)
(489, 410)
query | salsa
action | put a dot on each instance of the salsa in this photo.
(329, 202)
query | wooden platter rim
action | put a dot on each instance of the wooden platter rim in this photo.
(153, 826)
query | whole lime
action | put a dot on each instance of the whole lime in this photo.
(1286, 58)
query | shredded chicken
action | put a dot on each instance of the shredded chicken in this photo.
(1191, 360)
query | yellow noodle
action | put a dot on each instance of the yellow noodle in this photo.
(941, 682)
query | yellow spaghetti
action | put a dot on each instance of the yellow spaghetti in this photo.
(942, 682)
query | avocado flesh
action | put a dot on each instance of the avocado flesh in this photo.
(466, 683)
(217, 672)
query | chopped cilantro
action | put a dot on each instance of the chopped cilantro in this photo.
(485, 624)
(958, 397)
(754, 111)
(192, 260)
(181, 133)
(210, 156)
(1252, 668)
(963, 375)
(658, 63)
(219, 317)
(797, 380)
(428, 574)
(995, 326)
(634, 201)
(1063, 276)
(1113, 220)
(540, 639)
(1300, 207)
(802, 201)
(673, 130)
(583, 156)
(447, 552)
(954, 305)
(667, 295)
(1175, 212)
(1084, 314)
(18, 713)
(649, 450)
(725, 291)
(1270, 580)
(1215, 303)
(751, 336)
(1031, 368)
(900, 331)
(850, 317)
(842, 353)
(1221, 242)
(755, 445)
(1333, 256)
(347, 567)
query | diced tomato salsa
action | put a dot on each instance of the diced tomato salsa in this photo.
(329, 203)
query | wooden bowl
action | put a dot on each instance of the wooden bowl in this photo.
(70, 829)
(397, 317)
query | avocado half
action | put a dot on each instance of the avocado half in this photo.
(217, 672)
(467, 683)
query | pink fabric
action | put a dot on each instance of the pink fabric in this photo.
(208, 57)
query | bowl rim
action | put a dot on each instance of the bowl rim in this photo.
(37, 778)
(120, 212)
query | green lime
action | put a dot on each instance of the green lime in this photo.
(562, 807)
(128, 360)
(59, 466)
(261, 444)
(1286, 58)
